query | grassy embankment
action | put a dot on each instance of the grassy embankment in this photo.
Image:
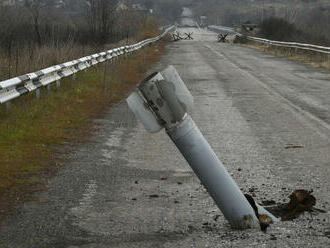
(32, 131)
(311, 58)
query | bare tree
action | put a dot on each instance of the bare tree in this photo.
(291, 13)
(34, 6)
(101, 17)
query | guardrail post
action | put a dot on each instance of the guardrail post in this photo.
(49, 89)
(163, 101)
(105, 74)
(74, 76)
(8, 106)
(58, 83)
(38, 93)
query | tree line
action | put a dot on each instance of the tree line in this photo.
(300, 20)
(38, 33)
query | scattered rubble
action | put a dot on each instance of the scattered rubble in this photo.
(293, 146)
(216, 217)
(264, 220)
(301, 201)
(252, 189)
(273, 237)
(268, 202)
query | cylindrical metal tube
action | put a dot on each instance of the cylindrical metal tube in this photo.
(213, 175)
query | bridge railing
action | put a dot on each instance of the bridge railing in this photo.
(303, 46)
(18, 86)
(310, 47)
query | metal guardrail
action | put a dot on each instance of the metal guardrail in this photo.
(310, 47)
(18, 86)
(303, 46)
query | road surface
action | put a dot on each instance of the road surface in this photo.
(187, 17)
(128, 188)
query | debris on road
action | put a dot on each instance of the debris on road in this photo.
(154, 196)
(268, 202)
(273, 237)
(264, 220)
(215, 218)
(252, 189)
(301, 200)
(293, 146)
(222, 37)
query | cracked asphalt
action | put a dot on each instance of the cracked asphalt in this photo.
(129, 188)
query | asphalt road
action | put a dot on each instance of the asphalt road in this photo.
(128, 188)
(186, 17)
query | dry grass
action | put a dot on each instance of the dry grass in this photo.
(314, 59)
(32, 130)
(21, 60)
(326, 64)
